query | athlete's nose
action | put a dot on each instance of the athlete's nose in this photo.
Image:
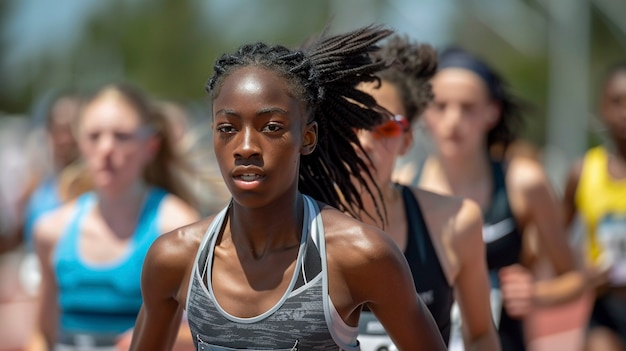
(248, 145)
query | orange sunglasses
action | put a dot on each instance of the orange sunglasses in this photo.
(394, 127)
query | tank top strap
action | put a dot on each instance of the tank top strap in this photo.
(499, 205)
(148, 223)
(203, 256)
(418, 232)
(66, 245)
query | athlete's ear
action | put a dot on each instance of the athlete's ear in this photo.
(407, 142)
(309, 138)
(493, 115)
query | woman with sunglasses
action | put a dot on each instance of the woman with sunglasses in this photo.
(439, 235)
(473, 114)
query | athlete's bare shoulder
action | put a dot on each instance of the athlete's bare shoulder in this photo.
(358, 254)
(352, 239)
(462, 216)
(454, 225)
(171, 258)
(179, 244)
(50, 227)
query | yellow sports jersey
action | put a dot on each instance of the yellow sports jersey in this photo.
(601, 204)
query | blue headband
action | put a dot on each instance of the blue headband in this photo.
(457, 58)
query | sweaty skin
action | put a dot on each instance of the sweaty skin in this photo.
(260, 132)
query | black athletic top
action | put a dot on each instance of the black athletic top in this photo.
(428, 275)
(430, 281)
(503, 242)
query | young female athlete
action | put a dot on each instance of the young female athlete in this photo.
(92, 249)
(471, 114)
(282, 267)
(439, 235)
(596, 194)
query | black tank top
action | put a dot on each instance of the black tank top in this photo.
(500, 234)
(503, 242)
(428, 275)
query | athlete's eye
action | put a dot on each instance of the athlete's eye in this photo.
(272, 127)
(226, 128)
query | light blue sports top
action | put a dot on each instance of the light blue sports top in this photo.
(103, 298)
(45, 198)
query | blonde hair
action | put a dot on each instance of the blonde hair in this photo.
(169, 167)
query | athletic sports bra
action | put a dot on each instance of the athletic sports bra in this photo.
(103, 298)
(428, 275)
(601, 203)
(303, 319)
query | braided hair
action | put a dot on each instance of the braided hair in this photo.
(412, 67)
(325, 75)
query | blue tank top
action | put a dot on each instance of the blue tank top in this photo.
(303, 319)
(45, 198)
(103, 298)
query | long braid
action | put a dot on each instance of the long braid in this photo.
(325, 76)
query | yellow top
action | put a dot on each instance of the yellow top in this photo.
(601, 203)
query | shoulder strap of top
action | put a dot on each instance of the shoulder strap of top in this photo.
(417, 231)
(202, 255)
(594, 165)
(66, 245)
(499, 204)
(148, 216)
(83, 204)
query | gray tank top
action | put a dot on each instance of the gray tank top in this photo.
(303, 319)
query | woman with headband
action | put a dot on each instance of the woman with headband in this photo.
(472, 115)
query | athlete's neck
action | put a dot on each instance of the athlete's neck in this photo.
(264, 231)
(121, 208)
(462, 172)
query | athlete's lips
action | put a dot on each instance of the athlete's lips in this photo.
(247, 173)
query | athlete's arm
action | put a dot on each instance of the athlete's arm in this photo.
(471, 286)
(537, 205)
(597, 277)
(164, 272)
(366, 267)
(46, 233)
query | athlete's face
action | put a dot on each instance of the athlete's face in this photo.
(461, 113)
(613, 107)
(114, 143)
(259, 132)
(383, 147)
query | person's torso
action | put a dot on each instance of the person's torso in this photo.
(503, 240)
(102, 298)
(601, 204)
(303, 319)
(428, 275)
